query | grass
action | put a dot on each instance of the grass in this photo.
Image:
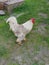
(8, 45)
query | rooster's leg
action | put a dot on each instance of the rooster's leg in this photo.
(19, 42)
(25, 39)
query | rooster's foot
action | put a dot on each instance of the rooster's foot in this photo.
(25, 39)
(19, 42)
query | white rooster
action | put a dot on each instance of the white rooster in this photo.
(20, 30)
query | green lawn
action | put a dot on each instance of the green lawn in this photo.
(35, 51)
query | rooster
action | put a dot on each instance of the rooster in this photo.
(20, 30)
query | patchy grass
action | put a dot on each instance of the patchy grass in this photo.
(36, 48)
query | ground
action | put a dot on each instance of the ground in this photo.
(34, 51)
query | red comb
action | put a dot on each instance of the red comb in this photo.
(33, 20)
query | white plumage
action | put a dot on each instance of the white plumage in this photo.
(20, 30)
(28, 25)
